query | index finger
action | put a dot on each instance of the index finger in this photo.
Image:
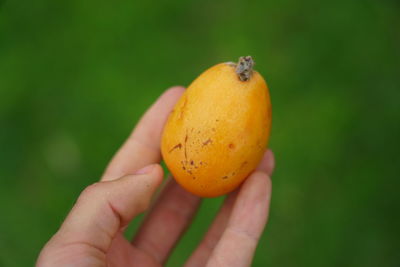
(143, 145)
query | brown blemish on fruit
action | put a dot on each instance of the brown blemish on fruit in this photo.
(175, 147)
(225, 177)
(213, 129)
(244, 163)
(207, 142)
(186, 138)
(231, 145)
(191, 162)
(260, 147)
(183, 108)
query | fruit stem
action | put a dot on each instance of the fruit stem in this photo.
(244, 68)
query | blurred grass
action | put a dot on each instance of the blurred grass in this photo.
(75, 76)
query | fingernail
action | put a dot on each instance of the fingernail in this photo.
(146, 169)
(267, 163)
(263, 165)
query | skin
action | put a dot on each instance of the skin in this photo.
(217, 133)
(92, 233)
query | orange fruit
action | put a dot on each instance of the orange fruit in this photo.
(218, 131)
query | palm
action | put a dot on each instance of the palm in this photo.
(123, 253)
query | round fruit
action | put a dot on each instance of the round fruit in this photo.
(218, 131)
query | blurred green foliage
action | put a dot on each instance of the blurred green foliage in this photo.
(75, 76)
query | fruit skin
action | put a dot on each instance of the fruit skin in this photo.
(218, 131)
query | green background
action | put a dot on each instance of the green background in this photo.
(75, 76)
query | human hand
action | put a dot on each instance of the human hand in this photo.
(92, 233)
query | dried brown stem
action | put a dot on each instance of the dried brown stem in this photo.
(244, 68)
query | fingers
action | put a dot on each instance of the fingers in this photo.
(245, 226)
(143, 146)
(102, 210)
(202, 253)
(166, 221)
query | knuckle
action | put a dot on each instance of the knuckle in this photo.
(90, 191)
(246, 234)
(262, 177)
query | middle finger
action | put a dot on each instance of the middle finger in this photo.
(166, 221)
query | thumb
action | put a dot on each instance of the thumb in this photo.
(104, 208)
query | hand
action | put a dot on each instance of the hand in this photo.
(92, 233)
